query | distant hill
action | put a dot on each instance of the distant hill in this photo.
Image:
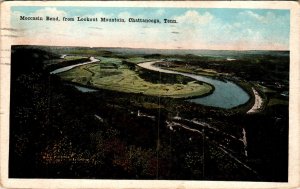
(138, 51)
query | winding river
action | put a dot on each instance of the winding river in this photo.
(226, 94)
(63, 69)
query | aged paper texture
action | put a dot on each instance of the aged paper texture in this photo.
(149, 94)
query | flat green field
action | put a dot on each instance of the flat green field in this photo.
(123, 79)
(70, 57)
(136, 60)
(198, 71)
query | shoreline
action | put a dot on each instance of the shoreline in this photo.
(190, 95)
(220, 88)
(258, 102)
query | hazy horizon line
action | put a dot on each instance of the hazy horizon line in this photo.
(70, 46)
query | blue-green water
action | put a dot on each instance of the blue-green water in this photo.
(226, 94)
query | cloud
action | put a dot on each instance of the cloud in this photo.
(251, 14)
(266, 18)
(16, 15)
(160, 12)
(48, 11)
(193, 17)
(41, 28)
(124, 15)
(97, 28)
(253, 29)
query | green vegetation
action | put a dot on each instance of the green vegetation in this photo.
(199, 71)
(109, 60)
(137, 60)
(276, 101)
(269, 67)
(129, 81)
(74, 57)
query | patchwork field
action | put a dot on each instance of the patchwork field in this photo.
(111, 74)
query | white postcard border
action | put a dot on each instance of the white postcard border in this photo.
(294, 106)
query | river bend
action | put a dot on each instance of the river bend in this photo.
(226, 94)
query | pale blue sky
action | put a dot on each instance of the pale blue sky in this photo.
(197, 28)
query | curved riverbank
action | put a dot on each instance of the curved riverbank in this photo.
(66, 68)
(222, 94)
(226, 94)
(129, 81)
(258, 103)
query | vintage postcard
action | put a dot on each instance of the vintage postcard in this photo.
(150, 94)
